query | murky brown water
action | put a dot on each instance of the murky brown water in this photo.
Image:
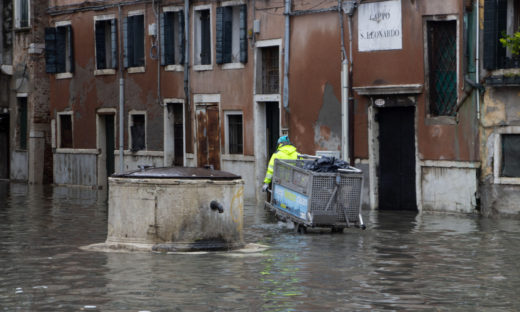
(402, 262)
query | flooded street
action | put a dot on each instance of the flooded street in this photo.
(402, 262)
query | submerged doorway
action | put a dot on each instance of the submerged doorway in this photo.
(106, 145)
(174, 133)
(396, 170)
(4, 146)
(272, 127)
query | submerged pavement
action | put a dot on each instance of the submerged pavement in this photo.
(402, 262)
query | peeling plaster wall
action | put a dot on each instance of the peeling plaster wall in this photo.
(500, 114)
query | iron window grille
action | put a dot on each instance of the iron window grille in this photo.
(500, 17)
(510, 167)
(270, 70)
(235, 134)
(442, 62)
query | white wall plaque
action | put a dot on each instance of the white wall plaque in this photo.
(380, 26)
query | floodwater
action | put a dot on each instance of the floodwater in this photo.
(401, 262)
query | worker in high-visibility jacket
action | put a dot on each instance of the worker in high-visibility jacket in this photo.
(285, 150)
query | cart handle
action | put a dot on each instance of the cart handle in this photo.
(350, 169)
(308, 156)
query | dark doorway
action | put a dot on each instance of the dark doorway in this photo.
(178, 134)
(272, 126)
(110, 143)
(4, 146)
(208, 136)
(396, 158)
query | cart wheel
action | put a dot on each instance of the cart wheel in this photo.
(336, 230)
(301, 229)
(363, 227)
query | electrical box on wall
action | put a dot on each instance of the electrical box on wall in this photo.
(152, 29)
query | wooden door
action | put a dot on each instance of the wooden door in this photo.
(208, 136)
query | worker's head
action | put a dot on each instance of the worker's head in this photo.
(283, 140)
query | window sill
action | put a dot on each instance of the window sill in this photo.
(104, 72)
(233, 66)
(135, 70)
(64, 76)
(237, 157)
(174, 67)
(202, 67)
(507, 180)
(22, 29)
(440, 120)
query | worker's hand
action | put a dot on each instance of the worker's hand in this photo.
(265, 187)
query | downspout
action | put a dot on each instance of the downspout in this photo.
(477, 55)
(344, 91)
(286, 56)
(349, 86)
(187, 55)
(121, 97)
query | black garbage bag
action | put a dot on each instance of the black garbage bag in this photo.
(326, 164)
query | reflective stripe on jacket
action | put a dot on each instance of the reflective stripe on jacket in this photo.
(283, 152)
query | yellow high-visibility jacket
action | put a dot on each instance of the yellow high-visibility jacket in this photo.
(283, 152)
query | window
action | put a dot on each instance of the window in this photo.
(202, 33)
(442, 67)
(231, 34)
(133, 30)
(270, 71)
(6, 33)
(59, 56)
(510, 166)
(137, 132)
(234, 133)
(172, 38)
(22, 123)
(65, 130)
(106, 44)
(21, 17)
(500, 16)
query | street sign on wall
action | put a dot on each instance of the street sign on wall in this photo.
(380, 26)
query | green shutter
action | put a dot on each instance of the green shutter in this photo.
(126, 45)
(113, 31)
(50, 49)
(220, 36)
(181, 37)
(243, 33)
(70, 47)
(162, 37)
(61, 46)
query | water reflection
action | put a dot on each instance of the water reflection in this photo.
(402, 262)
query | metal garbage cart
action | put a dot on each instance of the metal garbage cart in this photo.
(316, 199)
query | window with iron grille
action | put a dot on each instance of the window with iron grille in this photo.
(137, 132)
(510, 166)
(235, 136)
(270, 71)
(500, 17)
(106, 44)
(442, 67)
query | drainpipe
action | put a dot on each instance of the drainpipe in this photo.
(344, 91)
(187, 54)
(286, 55)
(121, 97)
(477, 54)
(157, 44)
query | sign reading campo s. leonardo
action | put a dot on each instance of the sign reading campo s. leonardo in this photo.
(380, 26)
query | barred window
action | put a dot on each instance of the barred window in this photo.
(510, 167)
(442, 65)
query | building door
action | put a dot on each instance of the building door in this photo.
(208, 136)
(4, 146)
(396, 158)
(174, 135)
(272, 127)
(106, 145)
(110, 143)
